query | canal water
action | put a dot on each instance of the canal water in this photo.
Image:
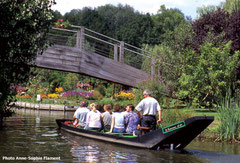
(31, 136)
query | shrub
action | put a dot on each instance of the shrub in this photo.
(102, 90)
(153, 85)
(124, 103)
(109, 92)
(105, 101)
(97, 95)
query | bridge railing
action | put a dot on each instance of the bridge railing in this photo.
(83, 38)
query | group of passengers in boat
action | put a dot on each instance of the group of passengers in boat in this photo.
(118, 120)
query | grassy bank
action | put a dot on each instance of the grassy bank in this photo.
(174, 115)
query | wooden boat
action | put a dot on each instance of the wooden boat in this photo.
(175, 136)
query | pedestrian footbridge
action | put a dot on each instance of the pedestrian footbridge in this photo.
(81, 50)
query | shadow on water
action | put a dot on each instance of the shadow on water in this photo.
(35, 133)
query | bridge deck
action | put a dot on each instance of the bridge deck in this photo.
(80, 61)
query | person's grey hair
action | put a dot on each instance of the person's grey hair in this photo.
(147, 92)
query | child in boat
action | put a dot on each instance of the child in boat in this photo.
(93, 121)
(117, 125)
(81, 114)
(107, 117)
(131, 119)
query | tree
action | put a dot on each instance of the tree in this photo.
(233, 31)
(206, 9)
(210, 28)
(23, 28)
(57, 15)
(208, 75)
(231, 5)
(165, 22)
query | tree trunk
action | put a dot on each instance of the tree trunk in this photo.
(1, 121)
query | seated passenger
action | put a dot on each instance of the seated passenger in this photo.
(100, 108)
(124, 110)
(81, 114)
(131, 119)
(107, 117)
(117, 125)
(93, 121)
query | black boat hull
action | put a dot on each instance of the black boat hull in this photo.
(176, 136)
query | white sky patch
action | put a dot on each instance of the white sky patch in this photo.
(188, 7)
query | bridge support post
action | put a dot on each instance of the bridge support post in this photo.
(80, 38)
(115, 52)
(153, 67)
(121, 55)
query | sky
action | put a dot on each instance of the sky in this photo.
(188, 7)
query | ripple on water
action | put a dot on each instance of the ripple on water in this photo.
(50, 135)
(41, 143)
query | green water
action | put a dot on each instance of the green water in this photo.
(33, 136)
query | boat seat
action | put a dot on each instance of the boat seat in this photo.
(143, 129)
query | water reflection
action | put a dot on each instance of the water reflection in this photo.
(88, 150)
(35, 133)
(208, 146)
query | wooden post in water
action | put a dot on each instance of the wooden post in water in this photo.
(121, 55)
(115, 52)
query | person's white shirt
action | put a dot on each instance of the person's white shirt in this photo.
(149, 106)
(94, 119)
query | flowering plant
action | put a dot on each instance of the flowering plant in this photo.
(59, 89)
(18, 88)
(54, 95)
(77, 94)
(61, 24)
(24, 96)
(43, 96)
(124, 95)
(84, 86)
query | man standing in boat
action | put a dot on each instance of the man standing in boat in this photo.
(81, 114)
(149, 107)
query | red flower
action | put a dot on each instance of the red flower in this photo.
(60, 20)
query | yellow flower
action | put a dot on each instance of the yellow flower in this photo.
(124, 96)
(59, 89)
(54, 95)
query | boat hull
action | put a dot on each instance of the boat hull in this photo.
(176, 136)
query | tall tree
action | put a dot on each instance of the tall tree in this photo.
(23, 27)
(210, 28)
(231, 5)
(165, 22)
(206, 9)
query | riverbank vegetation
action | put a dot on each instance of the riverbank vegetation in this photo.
(23, 28)
(196, 63)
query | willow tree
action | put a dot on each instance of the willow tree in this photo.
(23, 28)
(231, 5)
